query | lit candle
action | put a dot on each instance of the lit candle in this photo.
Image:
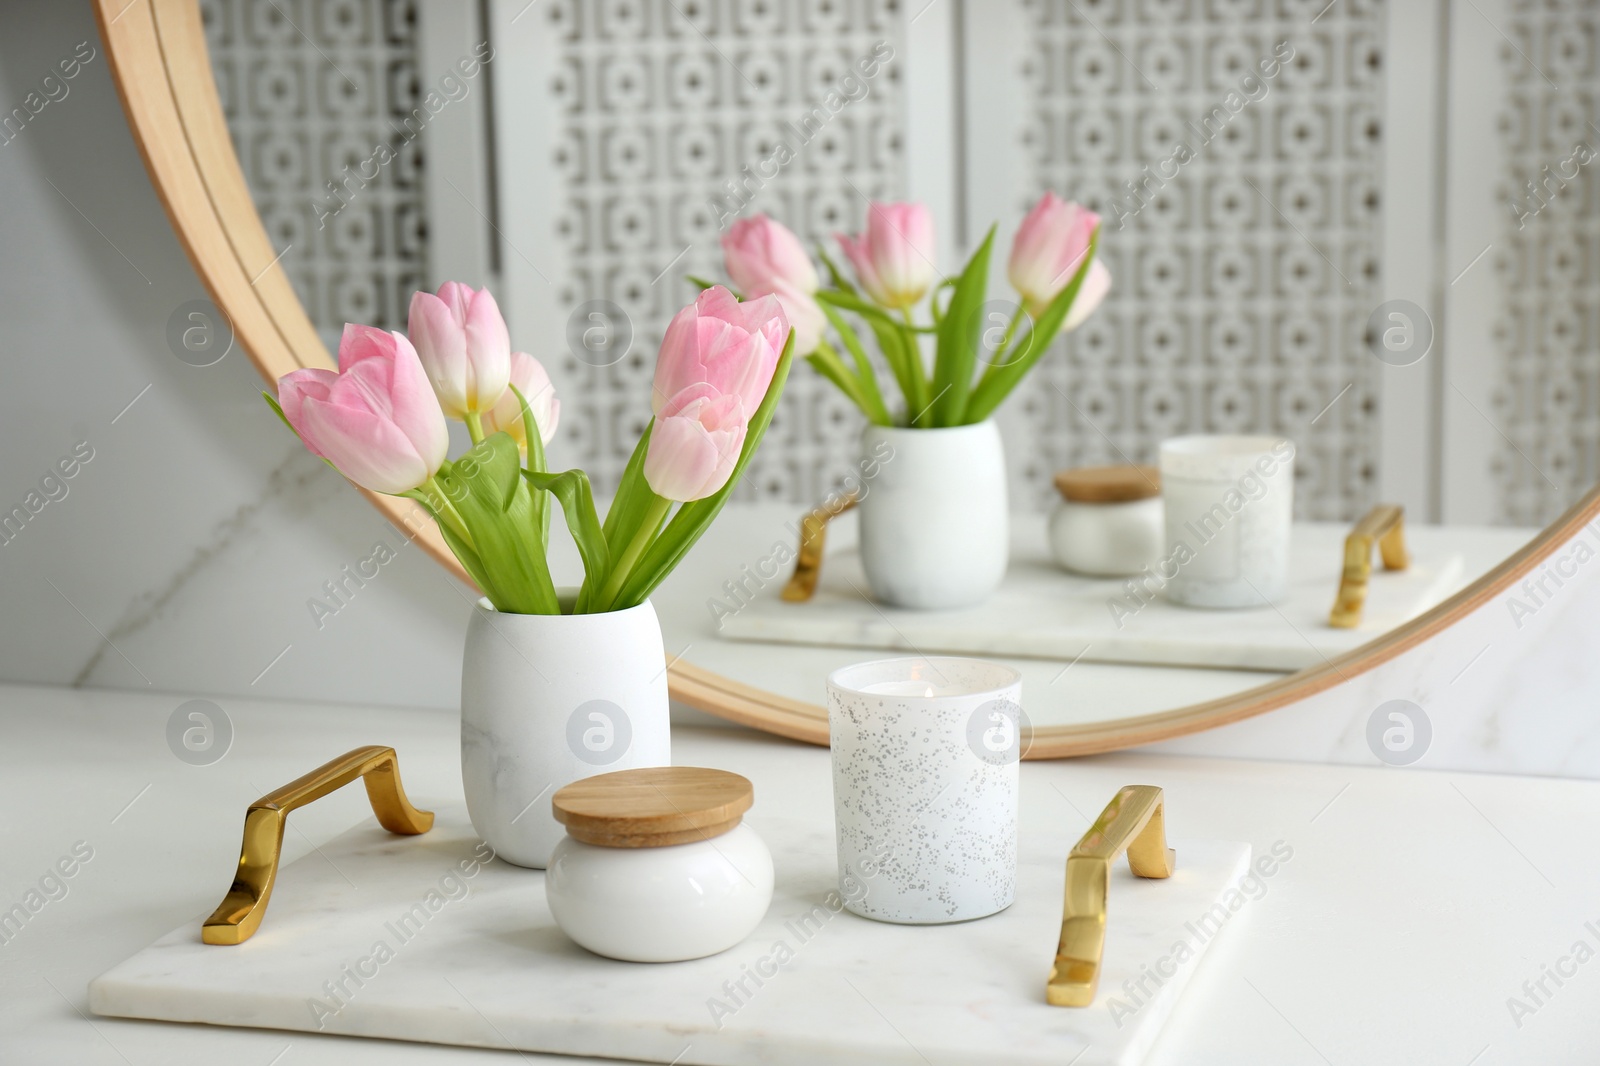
(903, 688)
(925, 781)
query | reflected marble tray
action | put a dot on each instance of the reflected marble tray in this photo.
(381, 936)
(1041, 611)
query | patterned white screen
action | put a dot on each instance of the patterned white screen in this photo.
(669, 119)
(1246, 269)
(1547, 334)
(1247, 262)
(314, 92)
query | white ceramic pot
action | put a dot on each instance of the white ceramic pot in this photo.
(925, 779)
(683, 901)
(547, 699)
(1107, 539)
(935, 531)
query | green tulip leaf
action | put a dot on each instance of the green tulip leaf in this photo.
(892, 343)
(1008, 370)
(577, 503)
(957, 354)
(536, 461)
(873, 407)
(851, 302)
(469, 561)
(496, 505)
(840, 282)
(634, 498)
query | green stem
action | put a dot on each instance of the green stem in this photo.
(444, 509)
(630, 555)
(918, 403)
(1011, 329)
(1000, 358)
(474, 422)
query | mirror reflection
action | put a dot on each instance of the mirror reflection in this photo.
(1238, 383)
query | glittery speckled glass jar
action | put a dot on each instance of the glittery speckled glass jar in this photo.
(925, 754)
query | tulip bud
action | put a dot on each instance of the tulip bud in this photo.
(764, 257)
(805, 315)
(1094, 288)
(695, 444)
(464, 346)
(762, 254)
(376, 419)
(1049, 249)
(531, 379)
(731, 346)
(893, 260)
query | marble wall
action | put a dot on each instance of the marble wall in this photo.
(182, 553)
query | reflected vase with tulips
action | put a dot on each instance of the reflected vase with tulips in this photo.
(934, 525)
(557, 683)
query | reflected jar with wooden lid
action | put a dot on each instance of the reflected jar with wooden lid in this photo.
(658, 864)
(1109, 521)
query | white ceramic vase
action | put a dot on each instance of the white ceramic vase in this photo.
(547, 699)
(935, 531)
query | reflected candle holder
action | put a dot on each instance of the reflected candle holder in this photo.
(925, 754)
(1228, 503)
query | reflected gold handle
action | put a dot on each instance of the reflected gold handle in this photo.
(1384, 524)
(239, 915)
(813, 532)
(1134, 822)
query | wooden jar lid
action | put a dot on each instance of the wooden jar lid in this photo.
(653, 806)
(1109, 484)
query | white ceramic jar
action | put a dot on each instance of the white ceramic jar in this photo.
(1109, 520)
(1229, 504)
(935, 529)
(658, 865)
(550, 698)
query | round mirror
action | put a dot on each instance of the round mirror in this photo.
(588, 175)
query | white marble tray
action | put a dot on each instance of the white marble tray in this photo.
(486, 967)
(1041, 611)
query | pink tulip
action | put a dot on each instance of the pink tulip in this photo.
(695, 444)
(375, 419)
(462, 341)
(1095, 285)
(894, 258)
(764, 257)
(530, 378)
(1049, 249)
(718, 341)
(805, 315)
(762, 254)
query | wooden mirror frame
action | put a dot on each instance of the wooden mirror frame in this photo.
(162, 71)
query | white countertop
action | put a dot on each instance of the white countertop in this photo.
(1415, 904)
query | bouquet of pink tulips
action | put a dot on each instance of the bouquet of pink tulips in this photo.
(380, 421)
(1053, 268)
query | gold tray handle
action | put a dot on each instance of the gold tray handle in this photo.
(813, 535)
(239, 915)
(1385, 524)
(1134, 822)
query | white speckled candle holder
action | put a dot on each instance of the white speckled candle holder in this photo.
(925, 754)
(1229, 501)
